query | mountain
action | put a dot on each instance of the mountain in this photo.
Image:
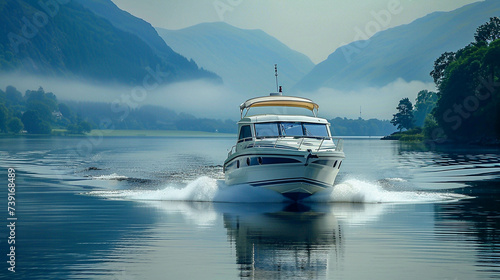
(243, 58)
(407, 51)
(70, 40)
(129, 23)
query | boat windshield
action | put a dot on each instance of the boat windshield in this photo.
(294, 129)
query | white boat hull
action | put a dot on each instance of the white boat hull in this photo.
(295, 175)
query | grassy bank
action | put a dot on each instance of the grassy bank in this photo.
(413, 135)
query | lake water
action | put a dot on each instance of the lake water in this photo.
(157, 208)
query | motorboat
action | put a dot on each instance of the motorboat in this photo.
(292, 153)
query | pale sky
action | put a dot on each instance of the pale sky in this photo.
(314, 27)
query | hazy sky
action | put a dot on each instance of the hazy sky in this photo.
(313, 27)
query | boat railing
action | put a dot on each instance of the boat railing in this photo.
(288, 143)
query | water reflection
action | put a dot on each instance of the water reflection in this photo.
(273, 240)
(448, 167)
(474, 222)
(294, 241)
(67, 234)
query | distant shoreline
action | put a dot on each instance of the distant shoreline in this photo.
(126, 133)
(152, 133)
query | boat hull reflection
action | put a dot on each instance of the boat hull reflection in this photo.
(292, 242)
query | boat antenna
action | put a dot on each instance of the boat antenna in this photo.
(276, 75)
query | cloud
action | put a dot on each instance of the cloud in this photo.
(64, 89)
(204, 99)
(200, 98)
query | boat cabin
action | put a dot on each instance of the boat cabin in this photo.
(275, 126)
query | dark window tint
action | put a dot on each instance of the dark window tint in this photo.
(245, 132)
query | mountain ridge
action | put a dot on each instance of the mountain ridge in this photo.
(244, 58)
(69, 40)
(406, 51)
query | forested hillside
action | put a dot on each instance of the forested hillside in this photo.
(68, 40)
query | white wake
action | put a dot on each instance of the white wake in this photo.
(205, 189)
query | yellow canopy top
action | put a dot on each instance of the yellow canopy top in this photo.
(283, 101)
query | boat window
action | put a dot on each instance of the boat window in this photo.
(245, 132)
(315, 129)
(266, 130)
(291, 129)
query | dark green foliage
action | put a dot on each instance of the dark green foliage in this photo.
(412, 138)
(34, 124)
(468, 103)
(468, 95)
(85, 127)
(404, 119)
(37, 112)
(489, 31)
(79, 128)
(431, 129)
(440, 65)
(42, 110)
(13, 96)
(411, 135)
(15, 125)
(3, 118)
(47, 98)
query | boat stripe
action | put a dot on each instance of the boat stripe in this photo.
(262, 155)
(289, 181)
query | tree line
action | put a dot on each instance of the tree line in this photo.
(36, 112)
(360, 127)
(40, 112)
(466, 106)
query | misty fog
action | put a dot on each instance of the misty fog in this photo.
(204, 99)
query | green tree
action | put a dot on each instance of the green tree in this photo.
(489, 31)
(80, 128)
(15, 125)
(424, 104)
(440, 65)
(72, 128)
(404, 118)
(469, 99)
(47, 98)
(14, 97)
(4, 114)
(34, 124)
(43, 110)
(84, 127)
(431, 128)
